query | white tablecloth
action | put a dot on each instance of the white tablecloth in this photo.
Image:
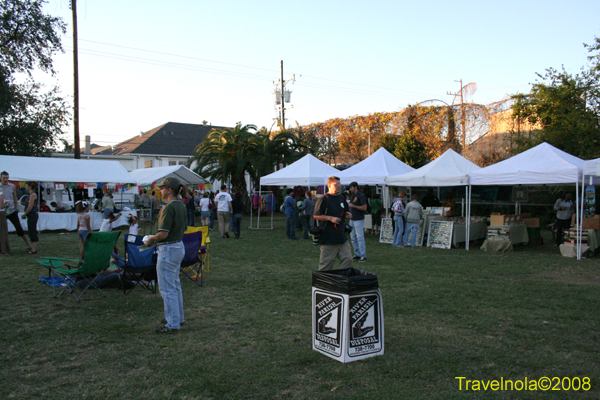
(68, 221)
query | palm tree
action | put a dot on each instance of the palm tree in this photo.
(274, 150)
(231, 153)
(224, 155)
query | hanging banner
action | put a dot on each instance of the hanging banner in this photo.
(59, 185)
(71, 185)
(80, 185)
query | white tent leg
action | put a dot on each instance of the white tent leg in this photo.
(468, 222)
(577, 220)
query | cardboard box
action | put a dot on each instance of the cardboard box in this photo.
(496, 219)
(532, 222)
(588, 223)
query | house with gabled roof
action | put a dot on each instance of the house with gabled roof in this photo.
(172, 143)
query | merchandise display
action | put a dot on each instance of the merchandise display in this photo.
(440, 234)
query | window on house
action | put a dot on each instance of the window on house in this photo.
(148, 164)
(171, 163)
(181, 162)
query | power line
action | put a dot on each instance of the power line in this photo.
(240, 74)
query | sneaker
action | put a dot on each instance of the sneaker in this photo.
(227, 235)
(356, 258)
(164, 321)
(363, 259)
(164, 329)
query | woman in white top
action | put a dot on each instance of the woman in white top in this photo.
(564, 209)
(205, 209)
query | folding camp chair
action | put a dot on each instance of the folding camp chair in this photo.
(191, 266)
(98, 248)
(139, 266)
(204, 245)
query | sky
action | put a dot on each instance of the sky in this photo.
(145, 63)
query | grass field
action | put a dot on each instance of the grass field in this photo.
(448, 313)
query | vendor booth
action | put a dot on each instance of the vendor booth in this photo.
(373, 170)
(543, 164)
(85, 173)
(449, 169)
(307, 171)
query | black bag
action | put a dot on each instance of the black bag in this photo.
(346, 281)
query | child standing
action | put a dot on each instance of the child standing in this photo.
(107, 223)
(83, 221)
(133, 225)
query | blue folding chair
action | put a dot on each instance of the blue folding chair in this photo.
(139, 266)
(191, 266)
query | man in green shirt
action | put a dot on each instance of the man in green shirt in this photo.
(172, 222)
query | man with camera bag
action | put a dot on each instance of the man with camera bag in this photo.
(332, 210)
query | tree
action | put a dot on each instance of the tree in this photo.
(30, 120)
(224, 155)
(231, 153)
(269, 150)
(565, 107)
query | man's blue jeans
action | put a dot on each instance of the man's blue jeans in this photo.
(358, 238)
(291, 226)
(398, 230)
(411, 230)
(191, 217)
(237, 223)
(167, 269)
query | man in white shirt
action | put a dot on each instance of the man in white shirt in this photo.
(564, 209)
(224, 209)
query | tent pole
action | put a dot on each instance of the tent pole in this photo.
(577, 220)
(468, 225)
(258, 213)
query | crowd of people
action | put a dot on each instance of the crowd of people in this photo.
(331, 217)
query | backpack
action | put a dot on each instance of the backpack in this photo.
(398, 207)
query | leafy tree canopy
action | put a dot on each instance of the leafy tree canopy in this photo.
(565, 108)
(30, 119)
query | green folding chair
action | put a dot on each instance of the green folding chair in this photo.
(98, 248)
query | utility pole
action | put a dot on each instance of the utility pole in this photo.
(462, 113)
(282, 96)
(76, 147)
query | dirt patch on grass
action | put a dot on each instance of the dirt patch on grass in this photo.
(570, 277)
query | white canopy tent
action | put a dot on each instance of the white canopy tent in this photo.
(374, 169)
(449, 169)
(45, 169)
(147, 176)
(307, 171)
(543, 164)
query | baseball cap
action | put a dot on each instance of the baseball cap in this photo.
(170, 182)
